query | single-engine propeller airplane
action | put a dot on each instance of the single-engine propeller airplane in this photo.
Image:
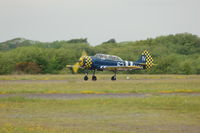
(101, 62)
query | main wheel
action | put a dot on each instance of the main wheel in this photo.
(86, 78)
(113, 78)
(94, 78)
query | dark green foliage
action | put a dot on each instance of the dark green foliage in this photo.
(17, 42)
(78, 40)
(174, 54)
(110, 41)
(6, 63)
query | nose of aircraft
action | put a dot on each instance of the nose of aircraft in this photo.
(80, 62)
(85, 61)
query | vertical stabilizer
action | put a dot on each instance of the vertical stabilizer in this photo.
(146, 59)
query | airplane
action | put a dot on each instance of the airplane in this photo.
(101, 62)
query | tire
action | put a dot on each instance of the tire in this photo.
(113, 78)
(86, 78)
(94, 78)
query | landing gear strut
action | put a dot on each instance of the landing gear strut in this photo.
(114, 77)
(94, 78)
(86, 76)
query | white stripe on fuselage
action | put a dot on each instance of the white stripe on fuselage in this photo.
(126, 63)
(131, 63)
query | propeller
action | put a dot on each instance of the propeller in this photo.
(80, 63)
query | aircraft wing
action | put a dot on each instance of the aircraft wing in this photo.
(71, 66)
(121, 68)
(74, 67)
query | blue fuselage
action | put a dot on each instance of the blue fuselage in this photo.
(98, 63)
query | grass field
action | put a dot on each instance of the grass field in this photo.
(155, 113)
(74, 84)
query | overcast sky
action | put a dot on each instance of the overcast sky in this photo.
(97, 20)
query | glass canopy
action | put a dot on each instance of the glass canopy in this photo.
(108, 57)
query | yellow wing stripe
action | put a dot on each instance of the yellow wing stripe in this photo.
(122, 68)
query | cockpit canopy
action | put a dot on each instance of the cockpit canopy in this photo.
(108, 57)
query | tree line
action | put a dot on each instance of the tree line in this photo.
(174, 54)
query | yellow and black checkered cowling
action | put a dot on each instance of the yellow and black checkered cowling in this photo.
(87, 62)
(149, 59)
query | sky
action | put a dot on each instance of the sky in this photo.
(97, 20)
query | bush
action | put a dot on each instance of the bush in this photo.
(28, 68)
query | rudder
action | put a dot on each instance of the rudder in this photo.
(146, 60)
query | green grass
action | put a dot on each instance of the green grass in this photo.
(99, 76)
(153, 113)
(150, 114)
(75, 84)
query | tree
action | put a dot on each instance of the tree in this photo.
(110, 41)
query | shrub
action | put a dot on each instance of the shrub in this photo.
(28, 67)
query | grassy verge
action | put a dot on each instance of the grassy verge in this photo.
(99, 76)
(113, 115)
(141, 84)
(155, 113)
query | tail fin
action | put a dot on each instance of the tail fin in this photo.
(146, 60)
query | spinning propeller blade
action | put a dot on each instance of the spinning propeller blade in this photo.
(84, 53)
(77, 65)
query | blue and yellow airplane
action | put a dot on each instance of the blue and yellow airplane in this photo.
(101, 62)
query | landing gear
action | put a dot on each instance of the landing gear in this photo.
(114, 77)
(94, 78)
(86, 76)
